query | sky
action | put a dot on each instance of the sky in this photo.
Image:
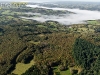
(51, 0)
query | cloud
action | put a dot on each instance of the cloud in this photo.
(79, 17)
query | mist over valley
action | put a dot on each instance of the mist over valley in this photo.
(77, 16)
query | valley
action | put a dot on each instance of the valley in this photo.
(47, 39)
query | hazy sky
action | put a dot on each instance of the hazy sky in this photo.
(52, 0)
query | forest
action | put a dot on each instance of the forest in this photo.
(30, 47)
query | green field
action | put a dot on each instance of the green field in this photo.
(8, 12)
(58, 72)
(33, 42)
(21, 67)
(93, 22)
(1, 33)
(42, 26)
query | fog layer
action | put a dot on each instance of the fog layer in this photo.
(79, 17)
